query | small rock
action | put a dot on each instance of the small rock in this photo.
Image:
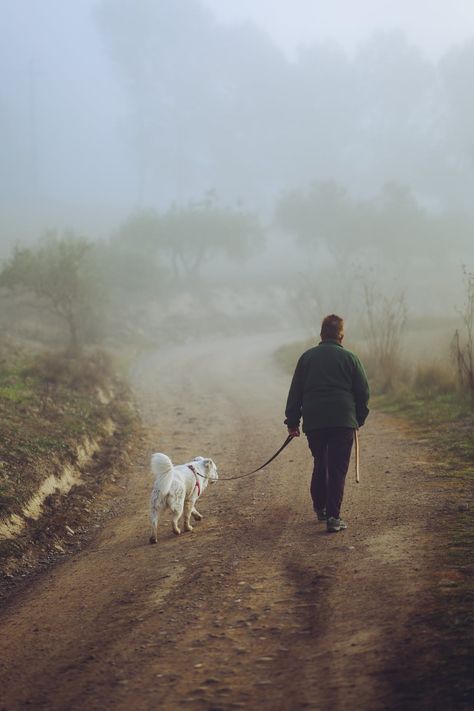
(463, 507)
(69, 530)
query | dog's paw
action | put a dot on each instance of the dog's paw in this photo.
(188, 527)
(197, 516)
(152, 539)
(176, 531)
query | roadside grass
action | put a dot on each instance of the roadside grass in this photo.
(445, 419)
(48, 405)
(446, 424)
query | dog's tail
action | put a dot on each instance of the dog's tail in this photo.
(162, 469)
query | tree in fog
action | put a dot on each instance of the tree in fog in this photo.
(322, 221)
(320, 118)
(320, 216)
(394, 85)
(391, 223)
(130, 268)
(456, 71)
(204, 99)
(218, 105)
(187, 238)
(339, 237)
(152, 46)
(56, 274)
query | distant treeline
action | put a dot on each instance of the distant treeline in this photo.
(211, 105)
(348, 251)
(192, 104)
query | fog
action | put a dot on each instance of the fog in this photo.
(280, 155)
(433, 25)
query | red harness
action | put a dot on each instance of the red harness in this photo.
(198, 485)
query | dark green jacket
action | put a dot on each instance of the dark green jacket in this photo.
(329, 389)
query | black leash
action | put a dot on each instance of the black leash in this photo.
(285, 443)
(254, 471)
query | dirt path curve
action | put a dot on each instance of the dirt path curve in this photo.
(259, 608)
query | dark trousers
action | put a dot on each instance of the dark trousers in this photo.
(331, 449)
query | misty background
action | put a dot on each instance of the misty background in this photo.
(242, 165)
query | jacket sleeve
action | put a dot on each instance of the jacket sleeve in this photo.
(361, 392)
(295, 396)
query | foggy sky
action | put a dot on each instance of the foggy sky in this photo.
(433, 25)
(68, 112)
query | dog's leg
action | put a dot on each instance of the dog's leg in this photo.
(154, 524)
(174, 525)
(188, 507)
(176, 505)
(196, 515)
(174, 521)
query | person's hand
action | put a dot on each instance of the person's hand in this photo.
(294, 431)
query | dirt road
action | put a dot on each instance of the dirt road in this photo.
(259, 607)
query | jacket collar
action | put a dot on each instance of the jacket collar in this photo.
(331, 341)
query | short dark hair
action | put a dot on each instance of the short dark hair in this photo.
(332, 327)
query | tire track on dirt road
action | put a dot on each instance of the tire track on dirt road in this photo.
(259, 607)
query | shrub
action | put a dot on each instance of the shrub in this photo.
(82, 373)
(434, 378)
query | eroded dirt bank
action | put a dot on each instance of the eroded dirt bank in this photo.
(259, 608)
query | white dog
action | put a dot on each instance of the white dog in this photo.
(178, 488)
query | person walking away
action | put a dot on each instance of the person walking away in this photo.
(329, 390)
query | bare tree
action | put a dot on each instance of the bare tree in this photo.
(385, 319)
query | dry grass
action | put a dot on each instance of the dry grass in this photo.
(48, 405)
(434, 378)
